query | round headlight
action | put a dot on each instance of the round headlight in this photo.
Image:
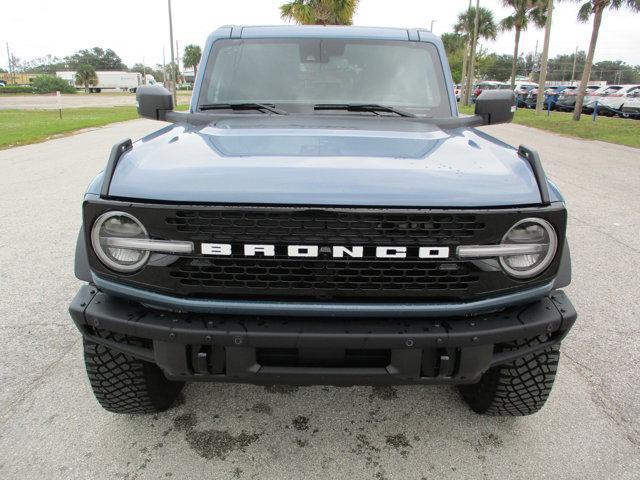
(117, 225)
(534, 232)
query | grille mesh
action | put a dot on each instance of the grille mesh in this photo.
(325, 227)
(335, 278)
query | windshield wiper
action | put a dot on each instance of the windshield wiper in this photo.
(243, 106)
(362, 107)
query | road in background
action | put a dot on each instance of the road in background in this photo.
(51, 426)
(78, 100)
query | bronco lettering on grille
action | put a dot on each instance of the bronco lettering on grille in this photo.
(312, 251)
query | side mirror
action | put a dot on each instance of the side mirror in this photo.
(154, 101)
(496, 106)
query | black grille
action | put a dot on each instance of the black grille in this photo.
(325, 227)
(342, 279)
(333, 278)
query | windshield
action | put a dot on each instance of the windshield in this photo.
(297, 74)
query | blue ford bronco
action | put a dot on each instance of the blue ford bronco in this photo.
(323, 215)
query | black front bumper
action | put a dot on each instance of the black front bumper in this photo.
(270, 350)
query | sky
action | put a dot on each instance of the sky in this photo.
(138, 29)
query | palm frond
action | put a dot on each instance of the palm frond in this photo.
(633, 5)
(486, 24)
(507, 23)
(585, 11)
(538, 15)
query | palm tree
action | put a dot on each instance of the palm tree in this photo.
(524, 11)
(320, 12)
(191, 57)
(597, 8)
(486, 29)
(86, 76)
(545, 56)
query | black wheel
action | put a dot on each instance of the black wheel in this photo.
(519, 388)
(124, 384)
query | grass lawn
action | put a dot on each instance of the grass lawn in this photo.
(21, 127)
(624, 131)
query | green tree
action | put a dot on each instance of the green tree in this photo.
(524, 12)
(454, 45)
(170, 68)
(465, 25)
(98, 58)
(51, 83)
(561, 66)
(191, 57)
(86, 76)
(452, 42)
(596, 8)
(487, 28)
(320, 12)
(615, 71)
(47, 64)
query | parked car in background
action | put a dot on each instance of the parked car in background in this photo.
(597, 96)
(631, 105)
(457, 91)
(550, 94)
(567, 98)
(488, 85)
(522, 90)
(616, 99)
(2, 83)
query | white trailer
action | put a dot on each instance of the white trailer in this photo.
(111, 80)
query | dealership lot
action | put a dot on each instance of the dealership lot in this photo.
(51, 427)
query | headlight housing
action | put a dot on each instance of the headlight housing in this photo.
(111, 227)
(536, 233)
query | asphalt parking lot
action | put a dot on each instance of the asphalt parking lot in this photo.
(51, 427)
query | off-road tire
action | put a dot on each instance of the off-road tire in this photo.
(518, 388)
(124, 384)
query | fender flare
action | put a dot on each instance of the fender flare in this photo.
(81, 265)
(564, 272)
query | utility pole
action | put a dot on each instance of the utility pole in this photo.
(177, 60)
(10, 64)
(545, 54)
(164, 69)
(573, 72)
(432, 22)
(173, 60)
(144, 72)
(472, 62)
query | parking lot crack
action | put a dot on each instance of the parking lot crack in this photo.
(608, 406)
(605, 233)
(13, 404)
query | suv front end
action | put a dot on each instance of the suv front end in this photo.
(372, 245)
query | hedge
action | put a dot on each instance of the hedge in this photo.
(50, 84)
(15, 89)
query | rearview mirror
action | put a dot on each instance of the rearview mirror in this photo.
(496, 106)
(154, 101)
